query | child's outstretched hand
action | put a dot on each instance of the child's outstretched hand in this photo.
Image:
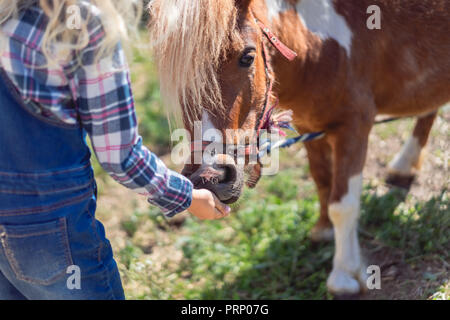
(206, 206)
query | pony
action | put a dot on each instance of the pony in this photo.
(223, 62)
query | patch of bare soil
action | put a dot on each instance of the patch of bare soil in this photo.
(434, 174)
(416, 278)
(116, 204)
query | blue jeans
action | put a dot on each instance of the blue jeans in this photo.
(51, 245)
(65, 258)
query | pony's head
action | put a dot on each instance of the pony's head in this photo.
(214, 66)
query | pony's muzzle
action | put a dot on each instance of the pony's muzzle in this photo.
(223, 177)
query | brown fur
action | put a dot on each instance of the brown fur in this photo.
(401, 70)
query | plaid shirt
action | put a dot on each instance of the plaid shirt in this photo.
(99, 99)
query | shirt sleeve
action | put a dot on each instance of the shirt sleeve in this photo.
(105, 104)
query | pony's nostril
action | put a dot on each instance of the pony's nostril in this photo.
(224, 178)
(228, 173)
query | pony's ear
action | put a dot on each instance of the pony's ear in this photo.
(243, 4)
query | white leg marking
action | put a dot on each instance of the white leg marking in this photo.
(321, 18)
(347, 266)
(409, 156)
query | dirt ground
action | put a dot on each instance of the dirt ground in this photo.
(404, 280)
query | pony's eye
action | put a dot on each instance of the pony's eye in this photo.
(247, 59)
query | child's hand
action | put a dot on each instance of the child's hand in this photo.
(206, 206)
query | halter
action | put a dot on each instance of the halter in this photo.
(266, 119)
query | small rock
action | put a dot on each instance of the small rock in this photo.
(391, 273)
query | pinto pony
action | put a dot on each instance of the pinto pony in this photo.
(217, 59)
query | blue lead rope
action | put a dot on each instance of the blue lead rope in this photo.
(267, 146)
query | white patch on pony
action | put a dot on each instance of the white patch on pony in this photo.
(321, 18)
(347, 271)
(275, 7)
(407, 158)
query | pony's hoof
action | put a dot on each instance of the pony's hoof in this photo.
(322, 234)
(400, 180)
(343, 284)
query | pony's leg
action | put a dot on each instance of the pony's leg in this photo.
(349, 148)
(319, 156)
(402, 169)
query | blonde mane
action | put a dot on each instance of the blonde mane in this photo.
(189, 40)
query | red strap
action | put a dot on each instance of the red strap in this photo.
(284, 50)
(266, 111)
(199, 145)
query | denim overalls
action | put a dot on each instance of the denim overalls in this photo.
(51, 245)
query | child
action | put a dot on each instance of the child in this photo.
(61, 80)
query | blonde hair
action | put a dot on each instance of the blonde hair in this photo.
(120, 19)
(189, 39)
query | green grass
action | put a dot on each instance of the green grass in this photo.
(420, 230)
(263, 251)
